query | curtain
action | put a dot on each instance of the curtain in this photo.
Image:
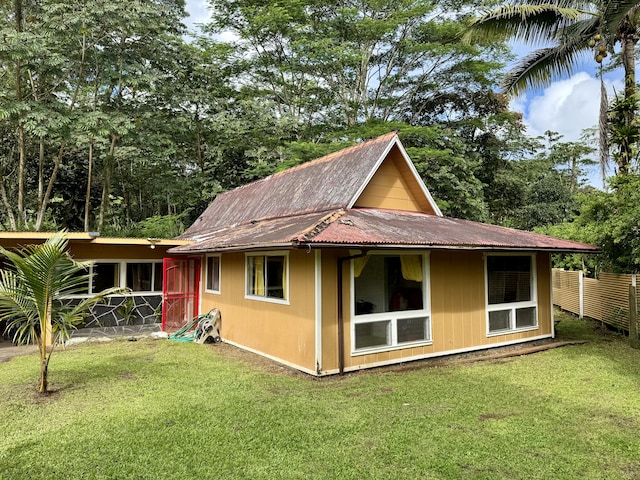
(284, 277)
(358, 265)
(411, 266)
(258, 275)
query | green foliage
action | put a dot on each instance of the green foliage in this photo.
(609, 220)
(162, 226)
(31, 290)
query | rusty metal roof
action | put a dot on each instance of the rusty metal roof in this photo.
(376, 228)
(329, 182)
(389, 228)
(267, 233)
(311, 206)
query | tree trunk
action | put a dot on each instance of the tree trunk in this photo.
(628, 61)
(7, 205)
(47, 194)
(44, 372)
(41, 171)
(22, 151)
(106, 185)
(603, 122)
(87, 200)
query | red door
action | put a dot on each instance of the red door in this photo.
(180, 288)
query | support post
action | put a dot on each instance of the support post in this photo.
(581, 292)
(633, 317)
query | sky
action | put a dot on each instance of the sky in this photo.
(566, 106)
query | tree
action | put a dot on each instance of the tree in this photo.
(572, 28)
(74, 75)
(31, 291)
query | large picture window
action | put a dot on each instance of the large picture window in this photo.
(511, 293)
(390, 302)
(267, 276)
(213, 274)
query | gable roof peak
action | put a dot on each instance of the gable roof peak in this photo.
(331, 182)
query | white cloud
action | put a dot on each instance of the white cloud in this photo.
(198, 13)
(566, 106)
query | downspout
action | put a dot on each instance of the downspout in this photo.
(341, 260)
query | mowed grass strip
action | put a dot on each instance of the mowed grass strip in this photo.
(164, 410)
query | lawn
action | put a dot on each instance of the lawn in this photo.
(158, 410)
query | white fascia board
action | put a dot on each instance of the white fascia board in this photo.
(396, 141)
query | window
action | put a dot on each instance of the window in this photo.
(213, 274)
(511, 295)
(390, 302)
(105, 275)
(267, 276)
(144, 277)
(138, 276)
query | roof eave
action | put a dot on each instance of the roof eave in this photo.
(402, 246)
(234, 248)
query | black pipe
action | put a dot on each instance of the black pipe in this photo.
(341, 260)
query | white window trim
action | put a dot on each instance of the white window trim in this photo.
(122, 275)
(393, 317)
(259, 298)
(513, 306)
(205, 271)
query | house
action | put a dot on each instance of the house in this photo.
(135, 264)
(346, 262)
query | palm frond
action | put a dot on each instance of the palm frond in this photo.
(525, 23)
(542, 66)
(618, 12)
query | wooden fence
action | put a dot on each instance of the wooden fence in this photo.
(605, 299)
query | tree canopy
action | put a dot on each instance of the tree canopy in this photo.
(113, 120)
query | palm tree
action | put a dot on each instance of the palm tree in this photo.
(572, 28)
(31, 289)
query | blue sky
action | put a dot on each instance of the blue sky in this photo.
(566, 106)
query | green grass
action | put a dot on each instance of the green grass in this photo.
(160, 410)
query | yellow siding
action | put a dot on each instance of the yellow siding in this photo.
(286, 332)
(330, 307)
(87, 251)
(84, 250)
(458, 310)
(394, 187)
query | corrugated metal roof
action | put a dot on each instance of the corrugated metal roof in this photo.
(259, 234)
(378, 228)
(374, 227)
(310, 206)
(329, 182)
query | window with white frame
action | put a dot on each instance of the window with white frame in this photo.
(212, 273)
(267, 276)
(144, 276)
(139, 276)
(390, 302)
(511, 293)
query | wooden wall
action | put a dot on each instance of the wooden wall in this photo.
(394, 187)
(285, 332)
(84, 250)
(458, 310)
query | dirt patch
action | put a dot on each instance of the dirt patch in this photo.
(490, 355)
(495, 354)
(254, 360)
(493, 416)
(9, 351)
